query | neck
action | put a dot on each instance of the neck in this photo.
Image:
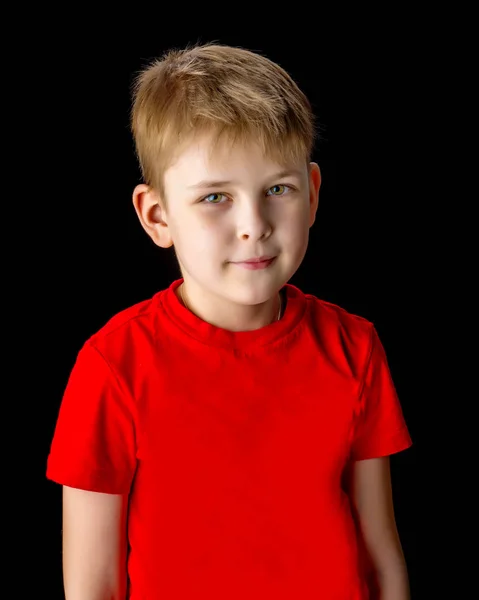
(277, 312)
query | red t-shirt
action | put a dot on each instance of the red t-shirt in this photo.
(232, 446)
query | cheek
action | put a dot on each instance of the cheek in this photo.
(202, 238)
(296, 227)
(294, 237)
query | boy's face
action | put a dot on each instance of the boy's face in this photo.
(230, 208)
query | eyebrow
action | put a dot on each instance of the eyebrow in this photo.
(215, 184)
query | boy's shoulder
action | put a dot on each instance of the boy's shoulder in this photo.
(334, 323)
(124, 323)
(338, 315)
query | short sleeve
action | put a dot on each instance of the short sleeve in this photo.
(380, 428)
(93, 446)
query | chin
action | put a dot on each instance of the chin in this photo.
(250, 296)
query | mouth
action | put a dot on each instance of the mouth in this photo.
(257, 259)
(255, 264)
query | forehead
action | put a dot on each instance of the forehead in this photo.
(203, 157)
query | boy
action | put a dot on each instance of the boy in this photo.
(228, 438)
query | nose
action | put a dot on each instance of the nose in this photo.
(253, 221)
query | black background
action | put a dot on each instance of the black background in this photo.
(90, 258)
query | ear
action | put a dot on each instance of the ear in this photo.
(314, 185)
(152, 215)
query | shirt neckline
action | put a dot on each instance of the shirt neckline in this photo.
(209, 334)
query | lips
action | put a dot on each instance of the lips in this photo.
(255, 264)
(256, 260)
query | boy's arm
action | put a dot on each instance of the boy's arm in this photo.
(94, 545)
(371, 495)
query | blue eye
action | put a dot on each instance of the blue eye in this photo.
(209, 196)
(280, 185)
(278, 190)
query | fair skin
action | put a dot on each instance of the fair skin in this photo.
(369, 487)
(256, 213)
(94, 545)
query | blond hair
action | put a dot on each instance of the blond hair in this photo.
(229, 92)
